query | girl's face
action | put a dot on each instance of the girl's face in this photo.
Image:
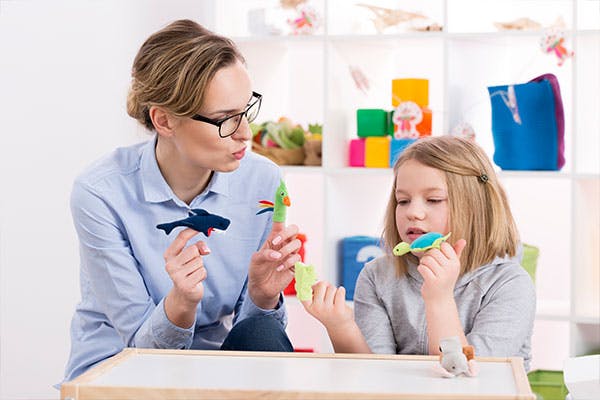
(421, 201)
(198, 143)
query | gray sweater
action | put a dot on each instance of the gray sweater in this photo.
(496, 307)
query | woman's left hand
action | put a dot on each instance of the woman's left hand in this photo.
(272, 267)
(440, 269)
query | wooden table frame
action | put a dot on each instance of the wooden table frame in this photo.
(84, 387)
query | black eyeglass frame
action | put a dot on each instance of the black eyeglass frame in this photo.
(219, 122)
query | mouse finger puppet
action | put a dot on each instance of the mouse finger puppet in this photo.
(305, 277)
(455, 359)
(430, 240)
(282, 200)
(199, 220)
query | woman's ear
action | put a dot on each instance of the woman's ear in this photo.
(163, 121)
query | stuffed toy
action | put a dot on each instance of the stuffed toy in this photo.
(199, 220)
(455, 359)
(282, 200)
(424, 242)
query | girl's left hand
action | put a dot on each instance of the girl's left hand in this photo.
(440, 269)
(272, 267)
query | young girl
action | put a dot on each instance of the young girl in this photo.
(472, 287)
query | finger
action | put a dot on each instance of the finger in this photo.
(179, 242)
(189, 267)
(265, 256)
(284, 234)
(426, 273)
(289, 263)
(459, 246)
(188, 254)
(291, 247)
(432, 264)
(319, 289)
(197, 276)
(277, 227)
(329, 294)
(339, 302)
(437, 255)
(202, 247)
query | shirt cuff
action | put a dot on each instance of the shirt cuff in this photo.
(163, 334)
(249, 309)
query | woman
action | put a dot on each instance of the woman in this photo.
(142, 288)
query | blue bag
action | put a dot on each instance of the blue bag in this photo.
(528, 125)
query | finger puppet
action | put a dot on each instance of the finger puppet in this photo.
(455, 359)
(424, 242)
(282, 200)
(305, 277)
(199, 220)
(407, 116)
(553, 42)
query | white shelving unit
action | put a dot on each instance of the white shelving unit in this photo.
(307, 78)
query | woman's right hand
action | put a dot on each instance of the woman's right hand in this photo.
(186, 269)
(328, 305)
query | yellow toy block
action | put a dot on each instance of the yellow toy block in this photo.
(377, 152)
(410, 89)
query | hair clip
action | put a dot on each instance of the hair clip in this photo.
(484, 178)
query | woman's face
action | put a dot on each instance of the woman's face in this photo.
(198, 143)
(421, 201)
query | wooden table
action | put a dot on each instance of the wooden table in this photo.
(192, 374)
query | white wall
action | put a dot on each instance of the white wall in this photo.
(64, 73)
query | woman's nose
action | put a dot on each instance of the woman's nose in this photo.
(243, 131)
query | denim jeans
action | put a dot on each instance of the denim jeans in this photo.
(261, 333)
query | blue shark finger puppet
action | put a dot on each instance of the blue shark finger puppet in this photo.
(199, 220)
(424, 242)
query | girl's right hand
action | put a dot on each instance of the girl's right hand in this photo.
(186, 269)
(328, 305)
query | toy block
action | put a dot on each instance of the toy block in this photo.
(396, 148)
(424, 127)
(356, 251)
(371, 122)
(356, 153)
(377, 152)
(411, 89)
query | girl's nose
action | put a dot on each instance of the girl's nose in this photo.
(415, 211)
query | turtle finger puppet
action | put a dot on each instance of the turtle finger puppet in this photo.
(430, 240)
(199, 220)
(282, 200)
(455, 359)
(305, 277)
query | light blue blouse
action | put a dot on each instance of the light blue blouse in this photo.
(116, 204)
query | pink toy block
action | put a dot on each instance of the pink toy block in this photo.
(377, 152)
(357, 153)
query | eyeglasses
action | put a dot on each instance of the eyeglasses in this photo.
(228, 126)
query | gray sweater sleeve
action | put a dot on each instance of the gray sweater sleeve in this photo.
(504, 322)
(370, 314)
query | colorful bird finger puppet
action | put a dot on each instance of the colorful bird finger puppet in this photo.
(199, 220)
(282, 200)
(455, 359)
(305, 277)
(424, 242)
(553, 42)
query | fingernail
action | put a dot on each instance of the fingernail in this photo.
(280, 268)
(205, 248)
(275, 255)
(276, 240)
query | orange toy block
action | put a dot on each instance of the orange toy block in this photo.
(410, 89)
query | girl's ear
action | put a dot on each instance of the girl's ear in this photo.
(162, 121)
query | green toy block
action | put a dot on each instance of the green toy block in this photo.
(372, 122)
(547, 385)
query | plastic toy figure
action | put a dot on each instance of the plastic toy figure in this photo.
(407, 116)
(282, 200)
(424, 242)
(199, 220)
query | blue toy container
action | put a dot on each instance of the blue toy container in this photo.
(397, 146)
(356, 251)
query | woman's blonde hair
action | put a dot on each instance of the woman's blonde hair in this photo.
(477, 204)
(173, 68)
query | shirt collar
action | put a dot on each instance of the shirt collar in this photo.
(157, 190)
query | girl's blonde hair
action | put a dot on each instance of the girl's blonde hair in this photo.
(477, 204)
(173, 68)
